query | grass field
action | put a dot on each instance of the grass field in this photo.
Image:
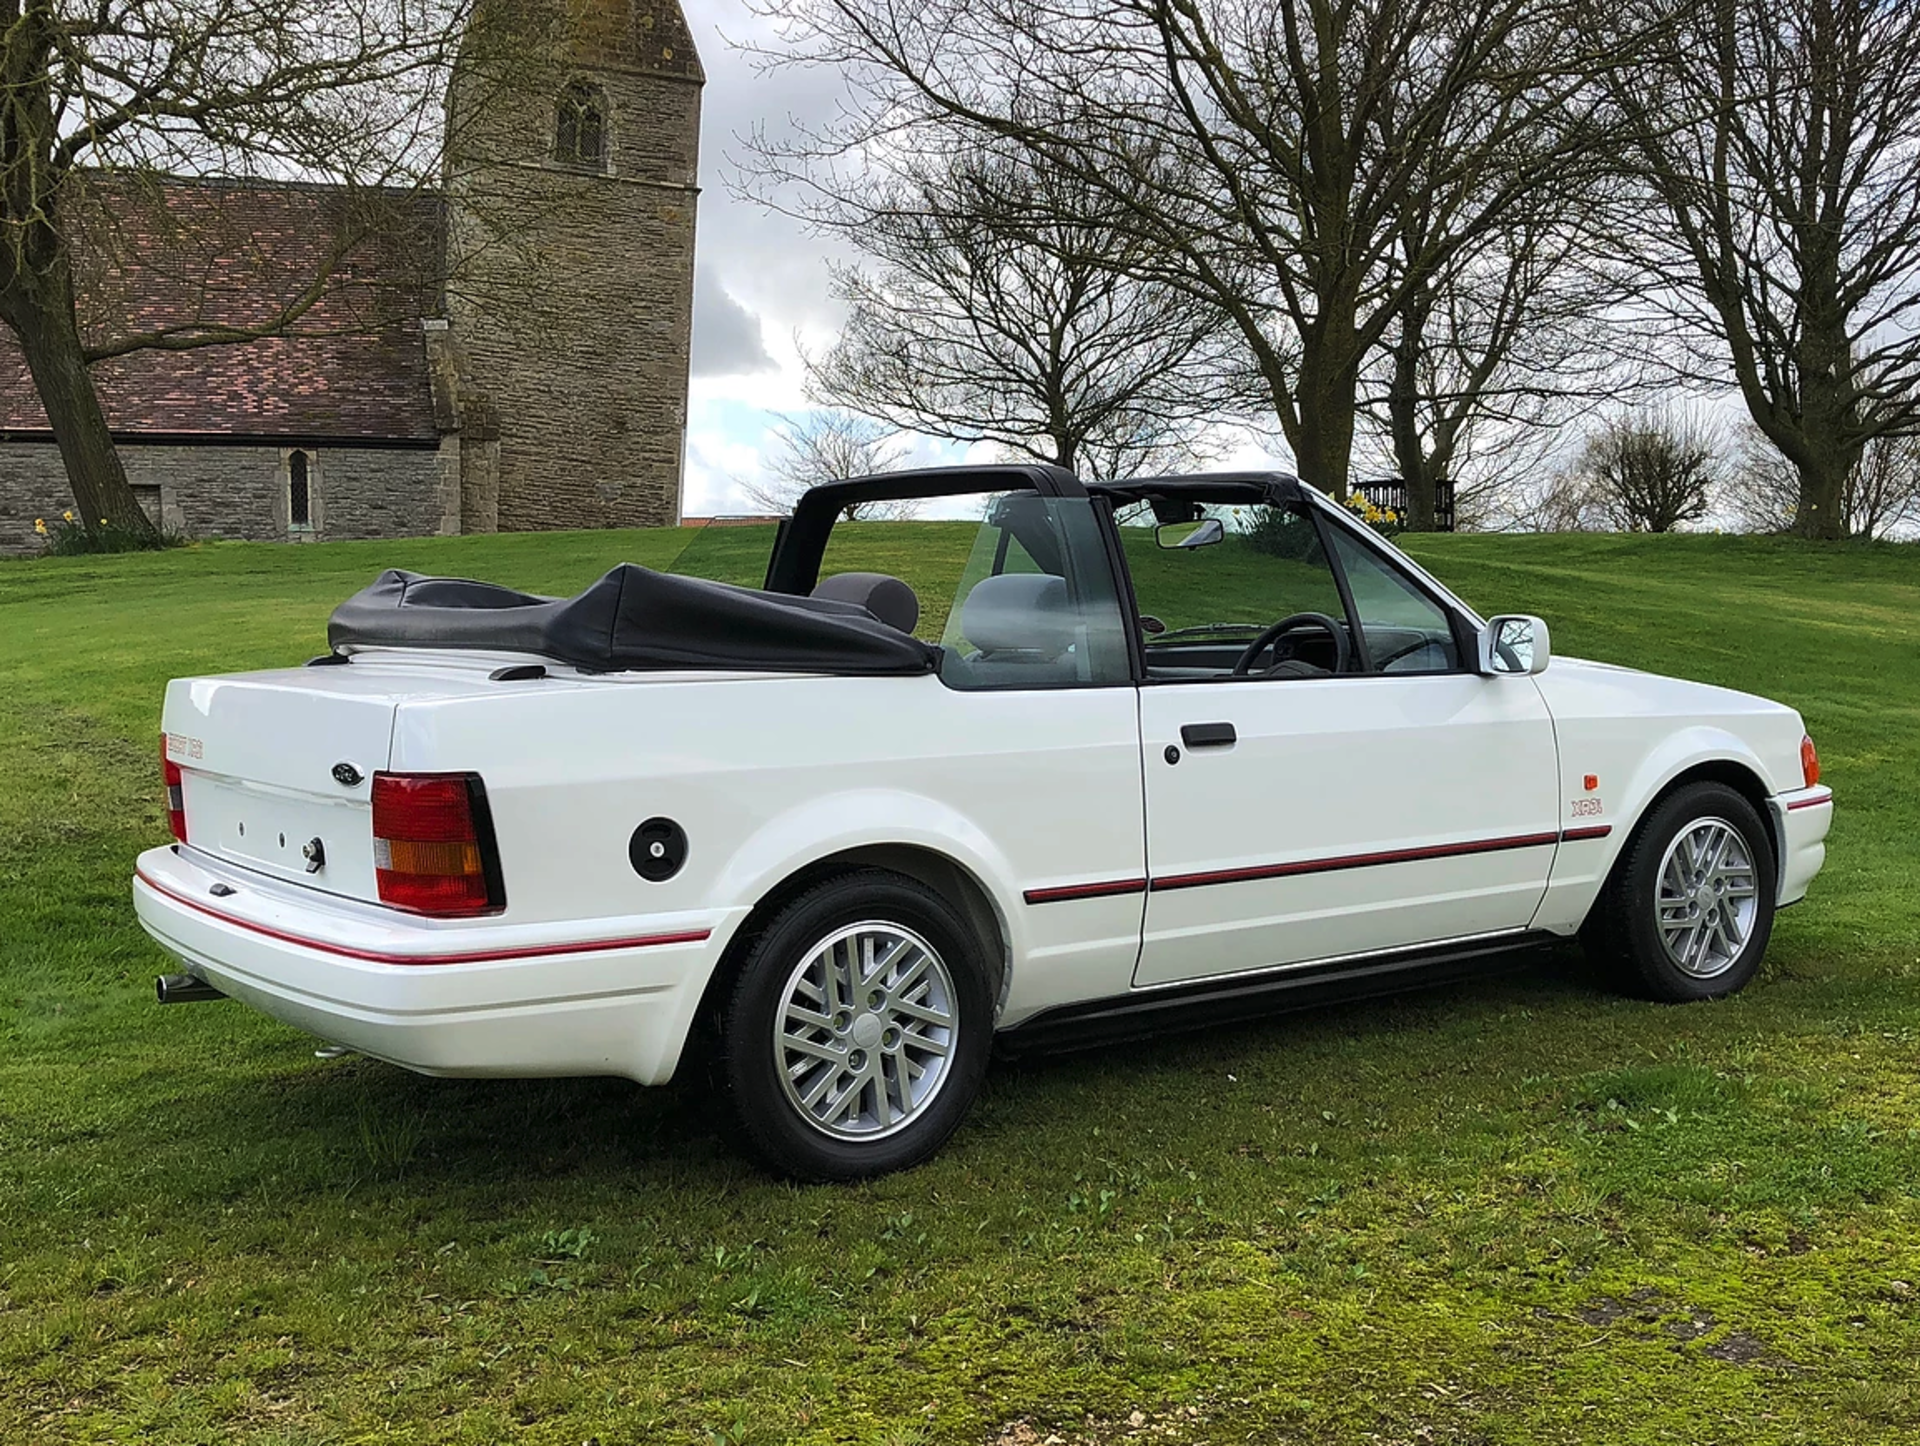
(1516, 1211)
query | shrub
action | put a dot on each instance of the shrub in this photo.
(1647, 473)
(1266, 531)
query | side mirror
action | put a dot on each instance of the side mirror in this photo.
(1203, 533)
(1515, 643)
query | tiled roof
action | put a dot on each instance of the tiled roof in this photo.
(150, 256)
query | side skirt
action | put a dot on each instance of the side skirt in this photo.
(1206, 1002)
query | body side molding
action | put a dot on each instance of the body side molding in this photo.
(1101, 889)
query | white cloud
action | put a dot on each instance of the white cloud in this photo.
(761, 288)
(726, 336)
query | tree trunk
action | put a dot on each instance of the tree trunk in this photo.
(1403, 419)
(1822, 510)
(1323, 452)
(40, 311)
(1831, 443)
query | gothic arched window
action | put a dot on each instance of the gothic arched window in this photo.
(580, 127)
(299, 492)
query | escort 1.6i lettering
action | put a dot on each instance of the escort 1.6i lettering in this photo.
(1183, 748)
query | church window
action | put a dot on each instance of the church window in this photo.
(299, 492)
(580, 127)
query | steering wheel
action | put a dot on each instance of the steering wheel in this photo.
(1286, 625)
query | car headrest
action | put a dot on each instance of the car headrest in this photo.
(887, 598)
(1019, 612)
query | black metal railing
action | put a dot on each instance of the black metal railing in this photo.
(1389, 494)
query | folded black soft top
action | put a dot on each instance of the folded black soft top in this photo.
(633, 618)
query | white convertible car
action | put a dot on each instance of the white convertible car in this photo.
(1169, 750)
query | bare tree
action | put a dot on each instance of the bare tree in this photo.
(1488, 358)
(1257, 149)
(1881, 498)
(1003, 306)
(1782, 138)
(99, 101)
(1883, 492)
(829, 446)
(1645, 473)
(1559, 500)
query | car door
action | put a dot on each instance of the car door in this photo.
(1313, 815)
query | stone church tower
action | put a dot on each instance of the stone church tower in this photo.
(574, 130)
(508, 354)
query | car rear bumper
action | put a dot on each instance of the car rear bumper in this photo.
(1801, 820)
(473, 997)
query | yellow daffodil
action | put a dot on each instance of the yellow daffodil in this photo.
(66, 517)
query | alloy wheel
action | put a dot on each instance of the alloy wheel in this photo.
(866, 1031)
(1708, 897)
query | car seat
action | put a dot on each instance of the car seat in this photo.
(1025, 626)
(887, 598)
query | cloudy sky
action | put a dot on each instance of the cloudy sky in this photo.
(760, 281)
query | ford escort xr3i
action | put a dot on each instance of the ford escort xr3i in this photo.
(1178, 748)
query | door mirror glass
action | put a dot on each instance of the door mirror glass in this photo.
(1203, 533)
(1515, 643)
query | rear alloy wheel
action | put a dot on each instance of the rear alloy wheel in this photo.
(1689, 908)
(867, 1031)
(857, 1033)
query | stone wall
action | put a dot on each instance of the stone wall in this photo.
(241, 491)
(571, 296)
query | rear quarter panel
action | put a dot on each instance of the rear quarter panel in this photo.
(770, 774)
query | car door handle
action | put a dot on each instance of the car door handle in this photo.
(1208, 735)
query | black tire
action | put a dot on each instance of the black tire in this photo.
(1624, 932)
(753, 1020)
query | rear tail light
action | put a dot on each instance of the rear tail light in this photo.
(176, 805)
(433, 846)
(1809, 762)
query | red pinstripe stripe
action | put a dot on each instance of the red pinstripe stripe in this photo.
(1102, 890)
(1314, 866)
(470, 956)
(1810, 802)
(1353, 861)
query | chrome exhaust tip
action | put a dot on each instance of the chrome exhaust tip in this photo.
(184, 989)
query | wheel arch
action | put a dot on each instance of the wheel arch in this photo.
(1613, 928)
(1742, 777)
(947, 876)
(1722, 766)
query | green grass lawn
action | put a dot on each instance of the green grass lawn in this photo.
(1516, 1211)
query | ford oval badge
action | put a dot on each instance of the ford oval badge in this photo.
(346, 774)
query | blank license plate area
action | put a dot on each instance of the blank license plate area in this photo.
(282, 832)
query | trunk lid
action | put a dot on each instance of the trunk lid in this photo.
(277, 767)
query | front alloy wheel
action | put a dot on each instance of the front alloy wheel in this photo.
(1688, 909)
(1708, 899)
(857, 1031)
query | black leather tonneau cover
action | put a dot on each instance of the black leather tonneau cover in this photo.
(633, 618)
